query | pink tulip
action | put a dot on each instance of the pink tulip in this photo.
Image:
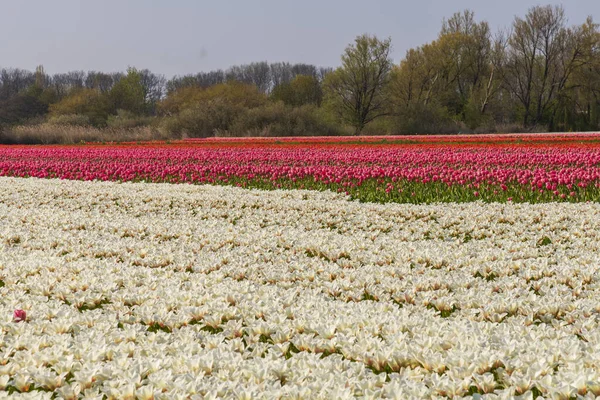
(19, 315)
(531, 166)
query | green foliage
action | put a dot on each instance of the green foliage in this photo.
(544, 241)
(127, 120)
(302, 90)
(181, 99)
(203, 120)
(128, 94)
(232, 93)
(197, 112)
(88, 103)
(278, 119)
(70, 119)
(543, 75)
(21, 108)
(381, 126)
(356, 90)
(425, 118)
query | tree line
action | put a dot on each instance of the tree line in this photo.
(540, 75)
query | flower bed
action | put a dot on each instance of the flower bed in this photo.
(500, 168)
(158, 291)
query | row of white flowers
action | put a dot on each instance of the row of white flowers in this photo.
(174, 291)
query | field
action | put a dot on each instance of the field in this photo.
(484, 282)
(518, 168)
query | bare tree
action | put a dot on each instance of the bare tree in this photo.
(322, 72)
(154, 87)
(281, 73)
(304, 69)
(101, 81)
(13, 81)
(257, 73)
(541, 55)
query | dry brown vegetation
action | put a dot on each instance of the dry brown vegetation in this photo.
(47, 133)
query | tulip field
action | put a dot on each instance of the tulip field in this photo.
(518, 168)
(304, 268)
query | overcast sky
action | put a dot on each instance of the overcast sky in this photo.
(185, 36)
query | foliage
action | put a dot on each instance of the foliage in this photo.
(70, 119)
(302, 90)
(541, 74)
(198, 112)
(88, 103)
(20, 108)
(54, 133)
(128, 94)
(356, 90)
(278, 119)
(233, 93)
(127, 120)
(204, 119)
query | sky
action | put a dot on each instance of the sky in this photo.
(176, 37)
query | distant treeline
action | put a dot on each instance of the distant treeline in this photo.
(541, 75)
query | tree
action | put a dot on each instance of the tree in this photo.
(414, 91)
(101, 81)
(154, 88)
(257, 73)
(129, 94)
(14, 81)
(200, 80)
(304, 69)
(20, 108)
(542, 53)
(303, 89)
(232, 93)
(466, 50)
(89, 103)
(281, 73)
(579, 103)
(356, 89)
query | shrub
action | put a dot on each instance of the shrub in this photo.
(127, 120)
(380, 126)
(303, 89)
(203, 120)
(510, 128)
(21, 108)
(70, 119)
(87, 102)
(231, 93)
(431, 119)
(70, 134)
(279, 120)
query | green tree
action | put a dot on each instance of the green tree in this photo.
(468, 80)
(356, 90)
(84, 102)
(449, 81)
(199, 112)
(302, 90)
(20, 108)
(129, 94)
(231, 93)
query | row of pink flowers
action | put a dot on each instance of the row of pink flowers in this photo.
(564, 163)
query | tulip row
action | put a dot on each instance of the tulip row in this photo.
(130, 290)
(527, 169)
